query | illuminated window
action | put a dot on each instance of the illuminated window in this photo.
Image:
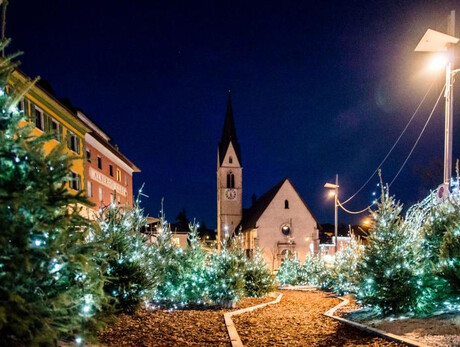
(118, 175)
(176, 241)
(286, 230)
(230, 180)
(286, 204)
(101, 195)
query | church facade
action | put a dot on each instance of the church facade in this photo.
(278, 222)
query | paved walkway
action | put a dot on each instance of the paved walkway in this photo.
(298, 321)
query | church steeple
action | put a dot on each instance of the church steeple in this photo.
(229, 134)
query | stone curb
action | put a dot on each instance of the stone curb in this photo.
(231, 329)
(381, 333)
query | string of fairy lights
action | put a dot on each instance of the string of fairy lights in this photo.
(342, 204)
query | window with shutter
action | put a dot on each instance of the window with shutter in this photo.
(39, 118)
(73, 142)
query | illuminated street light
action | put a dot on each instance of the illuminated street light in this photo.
(335, 193)
(435, 41)
(438, 62)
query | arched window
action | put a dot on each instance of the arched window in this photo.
(286, 204)
(230, 180)
(230, 160)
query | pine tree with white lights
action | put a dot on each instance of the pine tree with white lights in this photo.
(345, 269)
(193, 274)
(314, 272)
(226, 273)
(286, 270)
(131, 277)
(257, 276)
(49, 285)
(388, 282)
(170, 291)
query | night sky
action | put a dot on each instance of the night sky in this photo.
(316, 89)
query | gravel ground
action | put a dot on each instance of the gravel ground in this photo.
(175, 328)
(298, 321)
(441, 330)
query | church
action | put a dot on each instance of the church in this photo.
(278, 222)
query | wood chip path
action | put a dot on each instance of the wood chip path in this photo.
(296, 321)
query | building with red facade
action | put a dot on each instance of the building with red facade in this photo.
(109, 174)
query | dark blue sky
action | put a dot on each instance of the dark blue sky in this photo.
(317, 90)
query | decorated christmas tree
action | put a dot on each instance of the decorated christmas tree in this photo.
(49, 285)
(170, 291)
(289, 272)
(314, 272)
(257, 276)
(226, 273)
(193, 274)
(345, 269)
(131, 278)
(388, 281)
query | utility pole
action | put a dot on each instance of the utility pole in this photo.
(336, 206)
(449, 95)
(336, 212)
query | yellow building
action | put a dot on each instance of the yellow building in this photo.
(50, 115)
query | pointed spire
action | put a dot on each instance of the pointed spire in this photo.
(229, 133)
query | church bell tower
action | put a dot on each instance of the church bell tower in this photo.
(229, 178)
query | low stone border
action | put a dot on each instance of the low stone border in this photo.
(231, 329)
(381, 333)
(300, 288)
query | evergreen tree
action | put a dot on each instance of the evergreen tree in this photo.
(131, 276)
(257, 276)
(387, 272)
(169, 262)
(314, 272)
(284, 275)
(290, 270)
(182, 221)
(226, 273)
(49, 285)
(345, 270)
(193, 275)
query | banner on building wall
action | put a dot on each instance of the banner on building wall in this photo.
(108, 182)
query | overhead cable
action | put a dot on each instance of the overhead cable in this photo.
(391, 150)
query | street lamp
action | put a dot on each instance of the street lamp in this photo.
(435, 41)
(336, 205)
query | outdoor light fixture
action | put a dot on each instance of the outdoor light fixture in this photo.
(335, 193)
(438, 62)
(435, 41)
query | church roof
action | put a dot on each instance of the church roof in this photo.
(251, 215)
(229, 134)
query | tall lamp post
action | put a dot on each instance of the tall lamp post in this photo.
(336, 206)
(435, 41)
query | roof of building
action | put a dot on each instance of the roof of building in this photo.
(88, 124)
(103, 138)
(252, 214)
(229, 134)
